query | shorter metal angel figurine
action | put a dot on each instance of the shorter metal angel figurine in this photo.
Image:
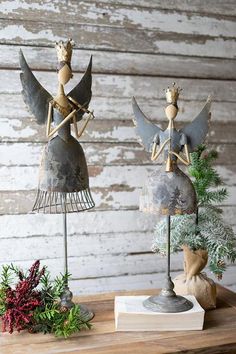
(169, 191)
(63, 180)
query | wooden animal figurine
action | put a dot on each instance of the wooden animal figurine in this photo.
(63, 181)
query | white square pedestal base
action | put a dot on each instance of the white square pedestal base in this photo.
(131, 315)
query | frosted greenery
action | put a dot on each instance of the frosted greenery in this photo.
(208, 230)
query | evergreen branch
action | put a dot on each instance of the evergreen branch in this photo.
(211, 233)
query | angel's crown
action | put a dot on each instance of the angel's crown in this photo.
(172, 94)
(64, 50)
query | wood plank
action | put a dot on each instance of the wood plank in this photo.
(211, 7)
(21, 202)
(90, 223)
(125, 178)
(103, 130)
(217, 336)
(113, 187)
(123, 63)
(118, 38)
(82, 245)
(132, 282)
(99, 265)
(120, 108)
(102, 264)
(126, 281)
(115, 15)
(226, 295)
(231, 287)
(129, 85)
(110, 283)
(129, 153)
(139, 342)
(199, 6)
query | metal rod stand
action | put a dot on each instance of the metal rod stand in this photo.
(67, 295)
(168, 301)
(169, 285)
(65, 245)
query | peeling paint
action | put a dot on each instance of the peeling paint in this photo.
(12, 32)
(8, 7)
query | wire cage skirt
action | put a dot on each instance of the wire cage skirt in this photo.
(59, 202)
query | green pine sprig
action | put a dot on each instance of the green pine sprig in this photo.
(211, 233)
(49, 317)
(70, 322)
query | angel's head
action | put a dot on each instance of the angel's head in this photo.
(64, 53)
(172, 95)
(171, 111)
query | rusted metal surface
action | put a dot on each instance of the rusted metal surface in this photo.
(168, 193)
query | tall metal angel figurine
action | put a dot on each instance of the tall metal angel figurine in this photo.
(63, 181)
(168, 190)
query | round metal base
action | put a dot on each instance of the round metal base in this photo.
(66, 301)
(160, 303)
(86, 313)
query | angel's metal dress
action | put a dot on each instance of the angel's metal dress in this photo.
(63, 180)
(169, 193)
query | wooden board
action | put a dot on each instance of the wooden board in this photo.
(112, 26)
(197, 6)
(113, 108)
(104, 131)
(115, 15)
(109, 62)
(117, 39)
(218, 335)
(99, 153)
(131, 85)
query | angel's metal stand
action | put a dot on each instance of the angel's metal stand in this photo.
(168, 301)
(67, 295)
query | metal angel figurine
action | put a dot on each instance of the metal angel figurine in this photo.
(175, 195)
(63, 181)
(168, 190)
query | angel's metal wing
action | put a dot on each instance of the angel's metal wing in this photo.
(144, 128)
(197, 130)
(34, 94)
(82, 92)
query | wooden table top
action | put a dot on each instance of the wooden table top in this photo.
(218, 336)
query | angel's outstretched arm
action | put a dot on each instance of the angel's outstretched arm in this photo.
(156, 154)
(185, 161)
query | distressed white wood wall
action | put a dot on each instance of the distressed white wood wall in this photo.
(139, 47)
